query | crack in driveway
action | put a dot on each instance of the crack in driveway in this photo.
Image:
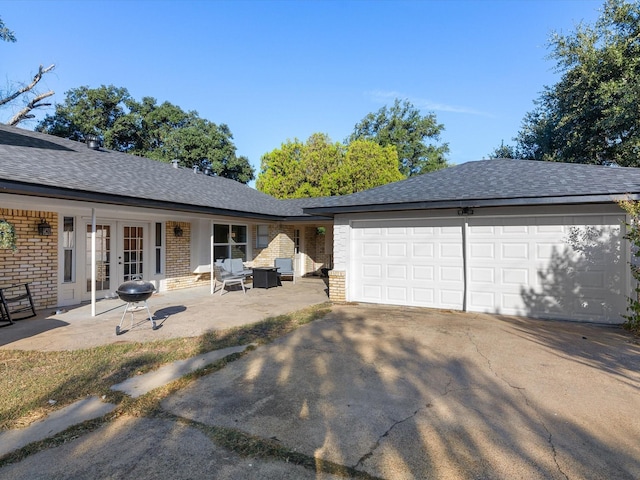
(521, 392)
(369, 454)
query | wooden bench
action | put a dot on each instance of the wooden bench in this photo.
(16, 300)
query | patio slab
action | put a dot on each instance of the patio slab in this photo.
(179, 313)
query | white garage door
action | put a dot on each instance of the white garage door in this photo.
(549, 267)
(416, 262)
(568, 267)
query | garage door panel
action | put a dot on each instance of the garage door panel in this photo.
(483, 275)
(423, 296)
(397, 250)
(558, 267)
(423, 250)
(372, 271)
(514, 251)
(397, 272)
(482, 250)
(371, 249)
(417, 260)
(451, 298)
(397, 294)
(422, 272)
(518, 277)
(451, 274)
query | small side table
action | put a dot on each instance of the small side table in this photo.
(265, 277)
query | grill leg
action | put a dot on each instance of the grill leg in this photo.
(128, 308)
(153, 322)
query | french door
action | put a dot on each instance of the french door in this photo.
(120, 255)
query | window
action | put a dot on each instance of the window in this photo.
(229, 241)
(296, 241)
(262, 236)
(69, 249)
(158, 247)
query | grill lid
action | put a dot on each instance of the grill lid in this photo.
(135, 290)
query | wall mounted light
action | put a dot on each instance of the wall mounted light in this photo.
(44, 228)
(177, 231)
(465, 211)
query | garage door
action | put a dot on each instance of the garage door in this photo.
(548, 267)
(568, 267)
(417, 263)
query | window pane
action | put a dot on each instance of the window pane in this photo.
(239, 233)
(220, 251)
(239, 251)
(262, 240)
(68, 265)
(158, 234)
(220, 233)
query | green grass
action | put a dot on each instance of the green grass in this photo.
(33, 384)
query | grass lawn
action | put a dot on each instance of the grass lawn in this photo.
(33, 384)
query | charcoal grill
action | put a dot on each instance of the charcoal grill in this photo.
(135, 292)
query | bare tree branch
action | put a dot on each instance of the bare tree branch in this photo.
(33, 104)
(29, 87)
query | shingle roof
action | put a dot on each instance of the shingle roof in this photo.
(39, 164)
(496, 182)
(57, 167)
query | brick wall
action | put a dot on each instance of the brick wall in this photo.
(280, 245)
(36, 257)
(178, 258)
(337, 286)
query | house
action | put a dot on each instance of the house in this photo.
(501, 236)
(149, 218)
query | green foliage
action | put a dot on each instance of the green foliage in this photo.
(322, 168)
(505, 151)
(403, 127)
(365, 165)
(6, 34)
(591, 114)
(161, 132)
(633, 236)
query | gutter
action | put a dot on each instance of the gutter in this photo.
(474, 203)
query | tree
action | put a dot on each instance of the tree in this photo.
(280, 172)
(591, 114)
(94, 111)
(403, 127)
(320, 167)
(505, 151)
(365, 165)
(6, 34)
(161, 132)
(632, 208)
(26, 91)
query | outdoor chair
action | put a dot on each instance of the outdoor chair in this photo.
(236, 267)
(285, 267)
(226, 278)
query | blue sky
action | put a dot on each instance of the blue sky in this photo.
(278, 70)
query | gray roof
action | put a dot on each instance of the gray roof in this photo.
(33, 163)
(496, 182)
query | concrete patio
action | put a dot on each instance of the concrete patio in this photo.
(180, 313)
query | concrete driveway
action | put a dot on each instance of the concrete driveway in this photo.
(395, 393)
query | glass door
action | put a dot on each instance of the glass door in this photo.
(131, 258)
(104, 255)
